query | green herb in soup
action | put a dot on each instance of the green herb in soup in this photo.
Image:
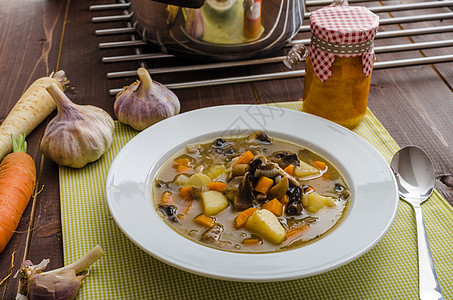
(250, 194)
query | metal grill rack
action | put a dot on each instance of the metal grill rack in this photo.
(145, 53)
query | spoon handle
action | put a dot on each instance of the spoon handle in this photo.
(428, 284)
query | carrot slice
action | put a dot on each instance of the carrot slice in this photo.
(166, 197)
(320, 165)
(297, 232)
(245, 158)
(274, 206)
(263, 185)
(243, 216)
(181, 162)
(184, 169)
(185, 192)
(204, 220)
(251, 241)
(217, 186)
(290, 169)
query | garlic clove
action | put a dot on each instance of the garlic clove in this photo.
(79, 134)
(61, 284)
(195, 23)
(145, 102)
(64, 285)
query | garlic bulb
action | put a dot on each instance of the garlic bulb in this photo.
(145, 102)
(62, 283)
(78, 134)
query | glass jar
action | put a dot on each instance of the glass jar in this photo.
(343, 98)
(339, 63)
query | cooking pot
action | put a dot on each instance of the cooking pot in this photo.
(218, 29)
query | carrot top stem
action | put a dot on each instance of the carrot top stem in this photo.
(19, 144)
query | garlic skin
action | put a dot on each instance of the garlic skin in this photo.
(195, 23)
(79, 134)
(145, 102)
(58, 284)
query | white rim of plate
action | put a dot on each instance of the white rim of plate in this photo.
(371, 212)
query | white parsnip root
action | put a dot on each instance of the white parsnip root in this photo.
(30, 110)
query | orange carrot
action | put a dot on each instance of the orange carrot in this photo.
(184, 169)
(181, 162)
(297, 232)
(217, 186)
(205, 221)
(284, 200)
(263, 185)
(320, 165)
(290, 169)
(245, 158)
(185, 192)
(251, 241)
(17, 182)
(165, 197)
(274, 206)
(243, 216)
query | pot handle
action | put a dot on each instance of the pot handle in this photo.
(297, 54)
(183, 3)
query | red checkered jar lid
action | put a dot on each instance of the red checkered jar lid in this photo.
(342, 31)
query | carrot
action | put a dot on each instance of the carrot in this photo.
(30, 110)
(297, 232)
(184, 169)
(17, 181)
(245, 158)
(185, 192)
(181, 161)
(243, 216)
(320, 165)
(274, 206)
(290, 169)
(204, 220)
(165, 197)
(251, 241)
(217, 186)
(263, 185)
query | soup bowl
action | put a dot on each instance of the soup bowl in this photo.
(371, 212)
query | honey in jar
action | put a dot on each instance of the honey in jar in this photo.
(339, 64)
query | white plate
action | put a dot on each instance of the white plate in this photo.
(372, 210)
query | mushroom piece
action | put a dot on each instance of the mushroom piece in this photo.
(295, 206)
(285, 158)
(244, 197)
(212, 235)
(260, 137)
(280, 189)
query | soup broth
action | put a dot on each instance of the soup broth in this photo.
(250, 194)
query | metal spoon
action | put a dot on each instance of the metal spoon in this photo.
(414, 174)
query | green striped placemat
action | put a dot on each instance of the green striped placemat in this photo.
(388, 271)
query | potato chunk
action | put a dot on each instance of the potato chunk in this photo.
(214, 171)
(199, 179)
(313, 202)
(265, 224)
(305, 170)
(213, 202)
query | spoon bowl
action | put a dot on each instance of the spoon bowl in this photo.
(414, 173)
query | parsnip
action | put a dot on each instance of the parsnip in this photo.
(30, 110)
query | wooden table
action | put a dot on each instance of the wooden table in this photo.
(415, 104)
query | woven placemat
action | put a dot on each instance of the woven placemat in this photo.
(388, 271)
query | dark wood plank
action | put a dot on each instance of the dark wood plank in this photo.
(413, 103)
(24, 58)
